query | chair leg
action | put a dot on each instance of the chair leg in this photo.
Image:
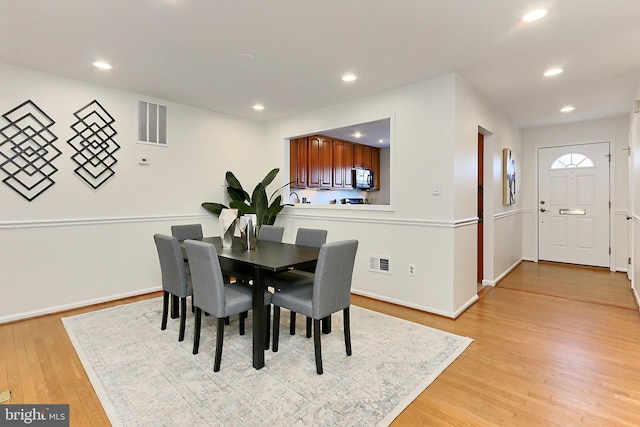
(226, 320)
(316, 345)
(308, 327)
(241, 317)
(276, 327)
(196, 330)
(326, 325)
(268, 334)
(165, 310)
(183, 318)
(347, 330)
(292, 323)
(219, 340)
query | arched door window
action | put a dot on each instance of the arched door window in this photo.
(572, 160)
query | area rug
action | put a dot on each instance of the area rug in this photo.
(145, 377)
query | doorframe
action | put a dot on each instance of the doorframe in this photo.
(612, 193)
(488, 208)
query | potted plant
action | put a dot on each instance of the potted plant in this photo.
(265, 209)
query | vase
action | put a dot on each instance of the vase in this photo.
(227, 220)
(248, 231)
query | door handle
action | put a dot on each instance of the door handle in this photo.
(543, 210)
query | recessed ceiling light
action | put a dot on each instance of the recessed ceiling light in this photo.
(553, 72)
(357, 135)
(534, 15)
(102, 65)
(348, 77)
(245, 57)
(381, 141)
(567, 109)
(258, 107)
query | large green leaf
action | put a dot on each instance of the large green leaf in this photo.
(270, 177)
(235, 188)
(259, 202)
(238, 195)
(215, 208)
(242, 207)
(272, 211)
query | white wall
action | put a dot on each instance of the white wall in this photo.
(502, 223)
(634, 203)
(434, 143)
(73, 245)
(614, 130)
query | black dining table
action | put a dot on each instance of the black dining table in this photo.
(267, 258)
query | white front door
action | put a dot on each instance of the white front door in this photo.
(573, 204)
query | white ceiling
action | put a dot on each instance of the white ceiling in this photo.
(188, 51)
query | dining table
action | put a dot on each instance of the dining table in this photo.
(267, 258)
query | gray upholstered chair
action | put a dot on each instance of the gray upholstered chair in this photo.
(304, 237)
(272, 233)
(330, 293)
(189, 231)
(212, 295)
(175, 280)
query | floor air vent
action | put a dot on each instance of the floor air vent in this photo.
(380, 264)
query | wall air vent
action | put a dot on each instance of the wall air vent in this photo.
(380, 264)
(152, 123)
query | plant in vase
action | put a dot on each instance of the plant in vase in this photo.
(265, 209)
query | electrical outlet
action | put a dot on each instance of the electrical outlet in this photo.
(412, 270)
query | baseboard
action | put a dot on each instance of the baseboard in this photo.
(65, 307)
(637, 297)
(509, 270)
(449, 314)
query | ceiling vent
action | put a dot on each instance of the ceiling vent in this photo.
(379, 264)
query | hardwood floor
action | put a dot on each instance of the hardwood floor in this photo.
(545, 352)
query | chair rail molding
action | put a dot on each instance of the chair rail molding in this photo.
(67, 222)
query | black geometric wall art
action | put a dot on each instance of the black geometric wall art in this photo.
(94, 144)
(27, 150)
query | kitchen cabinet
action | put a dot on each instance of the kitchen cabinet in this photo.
(320, 172)
(298, 162)
(321, 162)
(342, 163)
(367, 157)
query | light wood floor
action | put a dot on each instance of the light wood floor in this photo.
(545, 352)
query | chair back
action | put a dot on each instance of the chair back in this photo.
(272, 233)
(332, 282)
(311, 237)
(206, 276)
(174, 275)
(189, 231)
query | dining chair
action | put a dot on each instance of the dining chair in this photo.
(213, 296)
(272, 233)
(304, 237)
(329, 293)
(175, 280)
(189, 231)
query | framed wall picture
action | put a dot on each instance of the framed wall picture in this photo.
(508, 177)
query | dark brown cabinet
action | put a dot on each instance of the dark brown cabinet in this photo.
(342, 163)
(298, 162)
(321, 162)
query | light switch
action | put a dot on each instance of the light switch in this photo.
(436, 189)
